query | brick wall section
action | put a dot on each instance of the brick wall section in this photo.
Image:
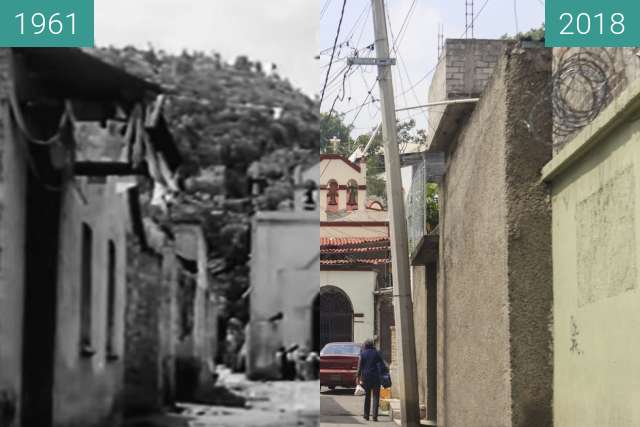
(463, 71)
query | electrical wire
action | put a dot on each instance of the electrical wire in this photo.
(344, 4)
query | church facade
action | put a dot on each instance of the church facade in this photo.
(354, 251)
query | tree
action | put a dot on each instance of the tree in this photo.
(534, 34)
(407, 134)
(334, 127)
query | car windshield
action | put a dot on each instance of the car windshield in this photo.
(341, 349)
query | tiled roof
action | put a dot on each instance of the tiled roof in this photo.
(376, 261)
(345, 241)
(354, 250)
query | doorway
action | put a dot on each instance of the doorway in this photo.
(336, 316)
(43, 203)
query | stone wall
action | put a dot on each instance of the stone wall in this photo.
(494, 284)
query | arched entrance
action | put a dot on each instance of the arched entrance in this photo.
(336, 316)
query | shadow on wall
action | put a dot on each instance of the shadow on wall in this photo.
(7, 407)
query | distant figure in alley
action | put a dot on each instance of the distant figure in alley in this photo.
(370, 370)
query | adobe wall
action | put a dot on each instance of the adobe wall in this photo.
(494, 290)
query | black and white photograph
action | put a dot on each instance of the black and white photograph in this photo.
(159, 194)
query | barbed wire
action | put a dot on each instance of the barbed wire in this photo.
(579, 89)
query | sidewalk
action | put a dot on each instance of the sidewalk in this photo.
(340, 408)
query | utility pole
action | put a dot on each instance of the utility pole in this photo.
(403, 306)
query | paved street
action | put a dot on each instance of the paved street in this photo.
(340, 408)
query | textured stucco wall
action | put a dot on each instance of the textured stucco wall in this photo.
(359, 287)
(12, 247)
(475, 375)
(493, 289)
(87, 390)
(596, 219)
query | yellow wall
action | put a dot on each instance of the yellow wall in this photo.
(596, 318)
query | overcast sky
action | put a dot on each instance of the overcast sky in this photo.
(285, 32)
(417, 50)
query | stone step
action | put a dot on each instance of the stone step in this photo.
(394, 411)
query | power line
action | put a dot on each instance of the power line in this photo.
(324, 8)
(335, 43)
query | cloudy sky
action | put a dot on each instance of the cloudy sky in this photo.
(284, 32)
(417, 48)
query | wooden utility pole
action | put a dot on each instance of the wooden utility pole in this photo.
(403, 306)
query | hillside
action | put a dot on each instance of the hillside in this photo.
(227, 118)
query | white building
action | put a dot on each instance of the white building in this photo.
(284, 306)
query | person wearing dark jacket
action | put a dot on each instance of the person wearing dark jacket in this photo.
(370, 368)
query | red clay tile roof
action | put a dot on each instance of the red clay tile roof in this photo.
(354, 251)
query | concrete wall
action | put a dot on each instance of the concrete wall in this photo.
(359, 287)
(419, 297)
(595, 183)
(12, 252)
(494, 282)
(87, 388)
(284, 279)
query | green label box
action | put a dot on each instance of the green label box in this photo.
(46, 23)
(592, 23)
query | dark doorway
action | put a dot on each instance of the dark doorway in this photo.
(336, 316)
(40, 298)
(315, 325)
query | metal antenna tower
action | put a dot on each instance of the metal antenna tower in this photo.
(468, 18)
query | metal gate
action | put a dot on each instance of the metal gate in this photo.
(336, 316)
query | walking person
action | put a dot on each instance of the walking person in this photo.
(370, 370)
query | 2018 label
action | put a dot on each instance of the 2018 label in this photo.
(582, 23)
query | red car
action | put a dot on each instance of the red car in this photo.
(339, 364)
